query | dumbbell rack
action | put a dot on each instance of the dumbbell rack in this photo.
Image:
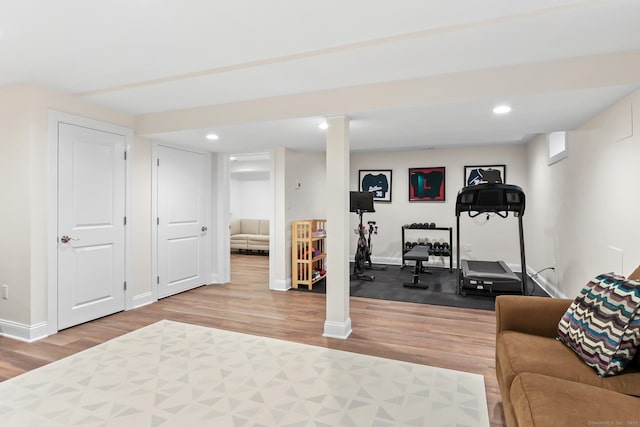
(450, 256)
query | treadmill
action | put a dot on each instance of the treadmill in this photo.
(493, 277)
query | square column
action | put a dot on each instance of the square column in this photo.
(338, 322)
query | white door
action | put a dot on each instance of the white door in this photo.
(182, 226)
(91, 228)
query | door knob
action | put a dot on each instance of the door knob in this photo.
(204, 229)
(66, 239)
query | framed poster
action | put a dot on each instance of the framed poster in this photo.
(427, 184)
(377, 181)
(474, 175)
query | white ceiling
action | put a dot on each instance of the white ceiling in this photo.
(145, 57)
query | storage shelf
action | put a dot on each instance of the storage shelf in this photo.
(307, 237)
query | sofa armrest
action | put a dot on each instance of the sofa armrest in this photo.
(529, 314)
(234, 227)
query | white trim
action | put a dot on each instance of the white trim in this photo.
(222, 246)
(337, 329)
(545, 285)
(281, 285)
(154, 224)
(276, 285)
(22, 332)
(143, 299)
(55, 117)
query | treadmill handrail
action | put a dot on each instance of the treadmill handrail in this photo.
(489, 198)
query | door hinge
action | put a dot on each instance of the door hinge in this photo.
(125, 155)
(158, 221)
(158, 280)
(125, 285)
(125, 220)
(158, 162)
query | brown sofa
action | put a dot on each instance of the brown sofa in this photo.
(544, 383)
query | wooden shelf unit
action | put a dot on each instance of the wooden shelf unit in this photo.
(307, 252)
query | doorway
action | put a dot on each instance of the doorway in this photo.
(250, 206)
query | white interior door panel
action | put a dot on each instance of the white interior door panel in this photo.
(91, 229)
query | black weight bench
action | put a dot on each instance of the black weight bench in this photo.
(418, 254)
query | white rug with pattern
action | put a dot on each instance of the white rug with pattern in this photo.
(175, 374)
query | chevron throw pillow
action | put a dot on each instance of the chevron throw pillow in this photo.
(602, 325)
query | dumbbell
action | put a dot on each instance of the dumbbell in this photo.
(437, 249)
(432, 225)
(446, 249)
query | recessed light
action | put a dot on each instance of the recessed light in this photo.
(212, 137)
(232, 158)
(502, 109)
(324, 126)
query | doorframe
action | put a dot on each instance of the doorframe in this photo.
(154, 213)
(54, 118)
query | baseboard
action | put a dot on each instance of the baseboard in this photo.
(142, 300)
(22, 332)
(545, 285)
(215, 279)
(337, 329)
(385, 260)
(280, 285)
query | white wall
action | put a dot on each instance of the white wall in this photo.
(142, 224)
(251, 198)
(307, 201)
(588, 202)
(496, 239)
(24, 165)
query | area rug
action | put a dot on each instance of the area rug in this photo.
(176, 374)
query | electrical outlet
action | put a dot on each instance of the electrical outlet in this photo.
(5, 291)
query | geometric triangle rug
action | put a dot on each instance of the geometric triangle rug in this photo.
(176, 374)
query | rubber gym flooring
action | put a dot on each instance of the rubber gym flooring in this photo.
(387, 285)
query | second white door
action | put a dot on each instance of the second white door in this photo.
(182, 226)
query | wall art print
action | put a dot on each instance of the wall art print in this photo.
(378, 182)
(474, 175)
(427, 184)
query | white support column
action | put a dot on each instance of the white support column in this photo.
(279, 250)
(338, 322)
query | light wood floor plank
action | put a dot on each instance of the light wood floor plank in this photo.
(446, 337)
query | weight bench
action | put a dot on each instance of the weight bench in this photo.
(418, 254)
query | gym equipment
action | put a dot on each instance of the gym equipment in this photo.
(361, 202)
(373, 229)
(429, 245)
(490, 276)
(418, 254)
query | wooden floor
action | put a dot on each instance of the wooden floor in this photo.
(446, 337)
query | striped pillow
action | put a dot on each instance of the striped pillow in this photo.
(602, 325)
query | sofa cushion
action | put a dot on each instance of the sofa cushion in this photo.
(258, 238)
(539, 400)
(250, 226)
(518, 352)
(602, 325)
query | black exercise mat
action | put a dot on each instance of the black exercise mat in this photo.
(387, 285)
